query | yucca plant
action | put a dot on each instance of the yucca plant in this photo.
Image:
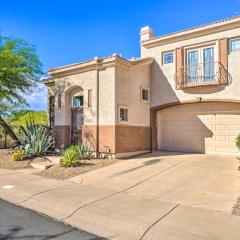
(35, 139)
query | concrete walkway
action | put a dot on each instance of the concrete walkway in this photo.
(158, 196)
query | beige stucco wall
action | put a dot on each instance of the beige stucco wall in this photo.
(107, 96)
(128, 94)
(163, 83)
(81, 83)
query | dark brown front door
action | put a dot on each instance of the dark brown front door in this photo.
(77, 122)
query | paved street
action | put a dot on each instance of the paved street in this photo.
(20, 223)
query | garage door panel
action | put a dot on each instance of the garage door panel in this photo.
(221, 149)
(234, 127)
(191, 129)
(221, 138)
(234, 117)
(232, 138)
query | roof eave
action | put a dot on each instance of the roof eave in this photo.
(97, 64)
(198, 31)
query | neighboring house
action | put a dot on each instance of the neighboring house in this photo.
(182, 94)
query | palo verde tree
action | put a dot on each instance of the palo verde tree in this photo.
(20, 72)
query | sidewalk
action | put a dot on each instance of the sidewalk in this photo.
(116, 214)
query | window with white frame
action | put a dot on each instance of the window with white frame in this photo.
(123, 114)
(200, 64)
(144, 94)
(235, 45)
(167, 57)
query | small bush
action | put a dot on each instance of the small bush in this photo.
(75, 153)
(238, 141)
(18, 155)
(70, 157)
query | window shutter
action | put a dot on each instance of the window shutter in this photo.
(179, 58)
(223, 52)
(179, 55)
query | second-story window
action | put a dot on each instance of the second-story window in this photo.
(200, 65)
(235, 45)
(167, 57)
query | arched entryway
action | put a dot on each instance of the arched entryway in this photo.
(202, 127)
(74, 107)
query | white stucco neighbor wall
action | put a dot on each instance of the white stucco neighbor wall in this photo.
(163, 83)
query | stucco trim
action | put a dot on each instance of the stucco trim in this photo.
(99, 63)
(199, 100)
(225, 24)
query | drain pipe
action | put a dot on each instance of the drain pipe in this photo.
(97, 108)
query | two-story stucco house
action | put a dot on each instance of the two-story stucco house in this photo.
(182, 94)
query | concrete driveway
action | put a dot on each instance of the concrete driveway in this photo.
(195, 180)
(179, 185)
(156, 196)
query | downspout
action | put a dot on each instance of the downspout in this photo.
(97, 109)
(151, 132)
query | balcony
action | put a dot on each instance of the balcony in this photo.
(203, 74)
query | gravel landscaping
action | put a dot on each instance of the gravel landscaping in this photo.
(62, 173)
(7, 162)
(55, 172)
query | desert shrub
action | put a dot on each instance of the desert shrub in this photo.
(238, 141)
(18, 155)
(70, 157)
(73, 154)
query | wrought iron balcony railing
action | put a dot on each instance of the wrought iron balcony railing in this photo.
(203, 74)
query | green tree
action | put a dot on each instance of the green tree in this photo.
(23, 117)
(20, 71)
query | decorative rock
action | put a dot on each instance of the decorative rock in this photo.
(54, 159)
(41, 165)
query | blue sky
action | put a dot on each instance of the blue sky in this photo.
(71, 31)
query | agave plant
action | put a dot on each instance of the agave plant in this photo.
(73, 155)
(84, 151)
(35, 139)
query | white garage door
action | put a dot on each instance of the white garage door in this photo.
(199, 127)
